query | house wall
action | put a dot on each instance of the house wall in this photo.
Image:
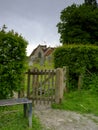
(39, 50)
(37, 56)
(41, 54)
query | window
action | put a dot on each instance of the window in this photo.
(39, 55)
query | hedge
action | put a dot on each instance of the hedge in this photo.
(12, 63)
(79, 58)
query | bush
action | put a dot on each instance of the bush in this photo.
(12, 62)
(79, 58)
(91, 83)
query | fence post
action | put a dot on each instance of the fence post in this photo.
(66, 78)
(80, 81)
(59, 85)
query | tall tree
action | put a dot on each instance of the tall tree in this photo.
(91, 2)
(78, 24)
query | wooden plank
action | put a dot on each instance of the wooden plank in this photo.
(48, 88)
(9, 102)
(40, 72)
(27, 106)
(53, 87)
(28, 84)
(41, 80)
(45, 87)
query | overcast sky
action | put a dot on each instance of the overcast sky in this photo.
(35, 19)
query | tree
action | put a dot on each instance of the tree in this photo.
(12, 62)
(79, 24)
(91, 2)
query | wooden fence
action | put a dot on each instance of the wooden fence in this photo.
(45, 85)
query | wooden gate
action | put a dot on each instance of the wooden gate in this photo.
(45, 85)
(41, 85)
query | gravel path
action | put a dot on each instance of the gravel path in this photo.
(53, 119)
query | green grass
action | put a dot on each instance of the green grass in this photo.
(82, 102)
(11, 118)
(45, 66)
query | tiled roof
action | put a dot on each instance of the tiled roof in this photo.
(47, 51)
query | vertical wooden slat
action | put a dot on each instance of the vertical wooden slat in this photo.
(28, 84)
(45, 85)
(33, 89)
(36, 84)
(53, 87)
(48, 87)
(41, 79)
(33, 86)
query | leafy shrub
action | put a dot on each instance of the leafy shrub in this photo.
(79, 59)
(12, 62)
(91, 83)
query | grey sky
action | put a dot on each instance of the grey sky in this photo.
(35, 19)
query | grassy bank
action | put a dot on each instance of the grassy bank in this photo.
(79, 101)
(11, 118)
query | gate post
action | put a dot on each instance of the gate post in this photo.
(66, 78)
(59, 89)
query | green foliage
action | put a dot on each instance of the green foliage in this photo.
(45, 66)
(91, 2)
(79, 101)
(91, 82)
(12, 118)
(79, 58)
(79, 24)
(12, 62)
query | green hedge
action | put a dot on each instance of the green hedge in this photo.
(79, 58)
(12, 63)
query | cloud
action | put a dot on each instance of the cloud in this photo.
(35, 19)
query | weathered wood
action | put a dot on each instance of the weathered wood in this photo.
(59, 85)
(43, 85)
(27, 106)
(28, 84)
(30, 114)
(39, 72)
(8, 102)
(66, 78)
(80, 81)
(53, 87)
(48, 88)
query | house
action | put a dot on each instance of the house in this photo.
(40, 54)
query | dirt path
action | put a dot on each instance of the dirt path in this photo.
(64, 120)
